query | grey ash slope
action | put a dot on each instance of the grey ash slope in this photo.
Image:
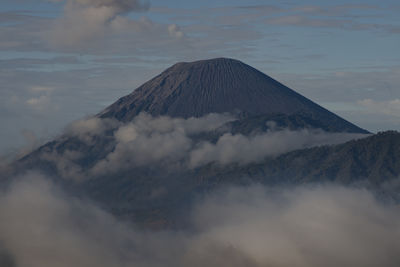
(216, 86)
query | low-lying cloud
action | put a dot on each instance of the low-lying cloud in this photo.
(87, 129)
(240, 226)
(175, 143)
(247, 149)
(304, 226)
(152, 140)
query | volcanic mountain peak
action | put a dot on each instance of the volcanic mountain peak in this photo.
(194, 89)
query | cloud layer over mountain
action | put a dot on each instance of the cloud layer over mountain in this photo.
(242, 226)
(153, 140)
(176, 143)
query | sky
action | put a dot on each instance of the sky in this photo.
(64, 60)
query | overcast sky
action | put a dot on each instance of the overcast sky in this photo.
(63, 60)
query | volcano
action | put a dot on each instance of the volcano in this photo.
(221, 85)
(150, 168)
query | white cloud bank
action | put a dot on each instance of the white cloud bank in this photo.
(165, 140)
(151, 140)
(252, 226)
(247, 149)
(176, 143)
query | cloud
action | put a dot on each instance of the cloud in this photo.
(38, 103)
(177, 143)
(86, 20)
(93, 146)
(87, 129)
(66, 163)
(31, 143)
(175, 31)
(162, 141)
(346, 17)
(43, 227)
(152, 140)
(41, 100)
(335, 23)
(301, 20)
(65, 157)
(247, 149)
(42, 89)
(81, 29)
(389, 107)
(242, 226)
(304, 226)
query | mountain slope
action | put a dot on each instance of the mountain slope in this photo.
(97, 159)
(372, 162)
(216, 86)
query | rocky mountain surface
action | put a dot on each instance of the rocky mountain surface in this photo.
(216, 86)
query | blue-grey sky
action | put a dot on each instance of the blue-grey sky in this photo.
(63, 60)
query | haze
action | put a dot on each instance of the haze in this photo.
(61, 60)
